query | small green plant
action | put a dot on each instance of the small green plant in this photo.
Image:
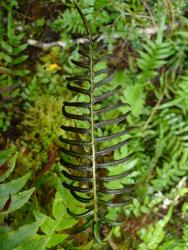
(11, 199)
(12, 56)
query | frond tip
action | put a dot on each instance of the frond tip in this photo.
(86, 160)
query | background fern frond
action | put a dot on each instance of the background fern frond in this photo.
(153, 57)
(173, 165)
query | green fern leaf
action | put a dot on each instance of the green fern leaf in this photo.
(12, 239)
(173, 166)
(134, 96)
(153, 57)
(52, 227)
(154, 234)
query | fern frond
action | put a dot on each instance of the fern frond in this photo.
(175, 156)
(86, 159)
(153, 57)
(181, 92)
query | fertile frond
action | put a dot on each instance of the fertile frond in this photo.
(85, 157)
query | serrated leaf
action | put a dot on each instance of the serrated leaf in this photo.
(5, 154)
(58, 206)
(13, 187)
(36, 243)
(56, 239)
(48, 226)
(135, 97)
(10, 240)
(66, 223)
(19, 60)
(40, 216)
(6, 47)
(5, 57)
(19, 49)
(10, 163)
(18, 200)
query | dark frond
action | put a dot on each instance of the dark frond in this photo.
(86, 160)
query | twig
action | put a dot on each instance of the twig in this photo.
(39, 44)
(42, 45)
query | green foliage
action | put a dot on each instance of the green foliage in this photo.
(174, 164)
(41, 132)
(53, 227)
(12, 48)
(11, 198)
(180, 92)
(135, 98)
(154, 57)
(154, 234)
(12, 56)
(14, 238)
(91, 9)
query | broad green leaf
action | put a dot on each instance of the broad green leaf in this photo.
(21, 72)
(3, 203)
(18, 200)
(52, 226)
(66, 222)
(56, 239)
(58, 206)
(19, 37)
(19, 60)
(5, 57)
(5, 154)
(13, 187)
(183, 34)
(41, 242)
(6, 47)
(35, 243)
(48, 226)
(11, 165)
(135, 97)
(10, 240)
(19, 49)
(40, 216)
